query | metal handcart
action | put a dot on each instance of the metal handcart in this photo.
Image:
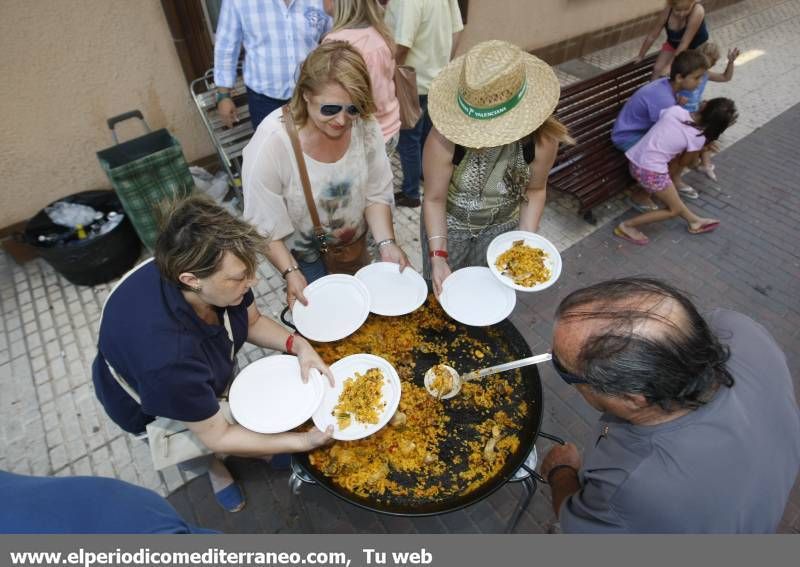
(229, 142)
(145, 172)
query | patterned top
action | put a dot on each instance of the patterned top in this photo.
(273, 195)
(486, 188)
(277, 39)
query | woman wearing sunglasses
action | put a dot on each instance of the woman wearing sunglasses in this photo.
(350, 178)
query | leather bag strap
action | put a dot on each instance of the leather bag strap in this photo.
(291, 129)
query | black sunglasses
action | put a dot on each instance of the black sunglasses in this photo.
(566, 376)
(334, 109)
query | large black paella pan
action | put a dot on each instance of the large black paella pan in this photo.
(460, 465)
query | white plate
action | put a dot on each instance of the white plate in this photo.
(504, 241)
(346, 368)
(268, 396)
(392, 292)
(473, 296)
(337, 306)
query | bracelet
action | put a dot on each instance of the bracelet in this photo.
(557, 468)
(289, 270)
(290, 342)
(219, 96)
(435, 237)
(439, 253)
(383, 243)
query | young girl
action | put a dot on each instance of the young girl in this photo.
(360, 23)
(677, 134)
(690, 100)
(685, 24)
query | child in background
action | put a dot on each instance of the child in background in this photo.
(690, 100)
(654, 165)
(644, 107)
(685, 24)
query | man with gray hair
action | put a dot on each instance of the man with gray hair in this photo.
(700, 431)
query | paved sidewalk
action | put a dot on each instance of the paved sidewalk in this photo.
(51, 423)
(750, 264)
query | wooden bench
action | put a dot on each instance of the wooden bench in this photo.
(593, 170)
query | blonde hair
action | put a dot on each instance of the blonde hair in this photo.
(349, 14)
(711, 52)
(196, 233)
(333, 62)
(553, 128)
(673, 3)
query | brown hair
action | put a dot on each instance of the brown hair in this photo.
(360, 14)
(553, 128)
(196, 233)
(686, 63)
(333, 62)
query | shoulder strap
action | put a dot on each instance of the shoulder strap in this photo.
(291, 129)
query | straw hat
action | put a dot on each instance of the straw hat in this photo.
(493, 95)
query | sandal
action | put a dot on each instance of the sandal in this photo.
(231, 498)
(689, 192)
(638, 207)
(708, 171)
(619, 233)
(707, 227)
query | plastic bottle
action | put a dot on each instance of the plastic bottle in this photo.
(80, 232)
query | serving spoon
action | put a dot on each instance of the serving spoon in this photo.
(459, 379)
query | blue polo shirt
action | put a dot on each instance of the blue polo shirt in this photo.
(177, 363)
(85, 505)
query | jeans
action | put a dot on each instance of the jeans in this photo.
(312, 270)
(410, 149)
(261, 106)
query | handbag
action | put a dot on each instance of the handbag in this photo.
(170, 441)
(405, 88)
(340, 258)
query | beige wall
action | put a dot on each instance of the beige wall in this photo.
(67, 66)
(536, 23)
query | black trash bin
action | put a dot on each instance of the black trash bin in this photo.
(95, 259)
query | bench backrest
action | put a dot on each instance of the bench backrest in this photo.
(593, 170)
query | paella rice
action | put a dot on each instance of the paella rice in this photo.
(524, 264)
(442, 382)
(361, 399)
(435, 449)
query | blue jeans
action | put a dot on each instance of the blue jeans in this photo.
(313, 270)
(410, 147)
(261, 106)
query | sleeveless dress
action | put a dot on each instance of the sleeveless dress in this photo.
(486, 189)
(674, 37)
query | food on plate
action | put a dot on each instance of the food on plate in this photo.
(443, 381)
(524, 264)
(361, 399)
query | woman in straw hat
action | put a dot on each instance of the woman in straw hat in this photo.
(488, 156)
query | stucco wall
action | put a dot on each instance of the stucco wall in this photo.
(68, 66)
(535, 23)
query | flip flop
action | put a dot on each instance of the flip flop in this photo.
(638, 241)
(231, 498)
(708, 227)
(640, 208)
(689, 192)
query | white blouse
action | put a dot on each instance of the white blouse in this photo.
(273, 195)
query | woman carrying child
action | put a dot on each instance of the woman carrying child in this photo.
(677, 134)
(685, 24)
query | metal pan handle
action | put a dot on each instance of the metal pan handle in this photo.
(286, 321)
(114, 120)
(553, 438)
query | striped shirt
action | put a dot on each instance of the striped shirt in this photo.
(277, 38)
